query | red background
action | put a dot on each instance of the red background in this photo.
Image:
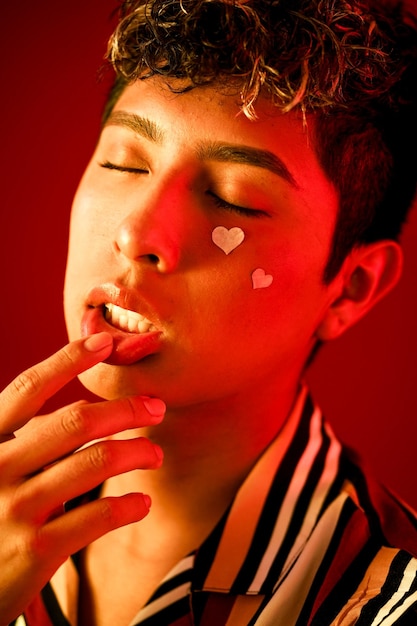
(50, 107)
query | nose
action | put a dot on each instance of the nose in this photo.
(151, 233)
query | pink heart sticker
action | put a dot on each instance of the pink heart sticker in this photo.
(260, 280)
(227, 240)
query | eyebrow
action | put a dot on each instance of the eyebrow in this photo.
(140, 125)
(247, 155)
(216, 151)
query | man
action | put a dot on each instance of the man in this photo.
(237, 212)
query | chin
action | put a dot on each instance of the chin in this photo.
(102, 382)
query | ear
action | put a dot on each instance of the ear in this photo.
(368, 274)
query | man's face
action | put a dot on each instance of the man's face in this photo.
(168, 171)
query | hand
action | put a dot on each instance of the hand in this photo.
(42, 466)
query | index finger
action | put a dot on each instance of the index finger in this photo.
(26, 394)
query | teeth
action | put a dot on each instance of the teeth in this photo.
(124, 319)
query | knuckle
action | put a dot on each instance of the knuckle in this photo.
(32, 544)
(131, 410)
(64, 357)
(74, 421)
(114, 512)
(108, 512)
(14, 506)
(16, 503)
(8, 464)
(27, 540)
(28, 383)
(100, 456)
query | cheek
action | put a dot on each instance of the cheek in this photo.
(287, 284)
(93, 204)
(90, 227)
(251, 274)
(86, 253)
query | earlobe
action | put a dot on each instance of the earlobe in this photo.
(368, 274)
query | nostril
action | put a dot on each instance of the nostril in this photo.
(153, 258)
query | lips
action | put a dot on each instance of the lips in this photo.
(115, 310)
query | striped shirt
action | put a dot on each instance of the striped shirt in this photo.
(308, 540)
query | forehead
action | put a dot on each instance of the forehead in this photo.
(209, 111)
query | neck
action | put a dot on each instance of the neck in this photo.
(208, 452)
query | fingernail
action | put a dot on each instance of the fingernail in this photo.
(98, 342)
(147, 501)
(158, 452)
(154, 406)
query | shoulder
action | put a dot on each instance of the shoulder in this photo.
(391, 520)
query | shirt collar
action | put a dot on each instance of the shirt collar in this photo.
(275, 510)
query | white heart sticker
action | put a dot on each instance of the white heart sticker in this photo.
(260, 280)
(227, 240)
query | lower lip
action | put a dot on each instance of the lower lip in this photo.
(128, 348)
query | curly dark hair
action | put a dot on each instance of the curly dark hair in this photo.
(351, 63)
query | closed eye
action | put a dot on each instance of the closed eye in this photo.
(123, 168)
(222, 204)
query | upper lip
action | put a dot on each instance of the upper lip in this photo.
(122, 297)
